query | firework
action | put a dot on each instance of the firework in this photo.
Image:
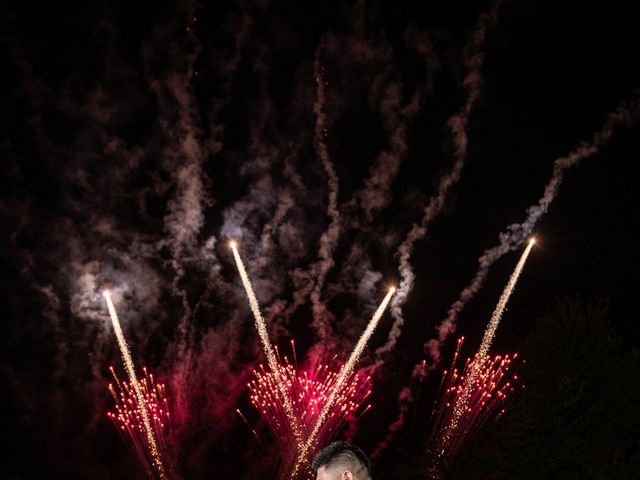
(475, 368)
(128, 417)
(475, 376)
(309, 392)
(345, 372)
(490, 331)
(466, 400)
(136, 389)
(266, 344)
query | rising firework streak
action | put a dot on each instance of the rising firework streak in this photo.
(502, 303)
(346, 370)
(475, 370)
(137, 389)
(266, 343)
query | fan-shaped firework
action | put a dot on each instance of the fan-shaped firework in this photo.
(128, 418)
(467, 399)
(308, 392)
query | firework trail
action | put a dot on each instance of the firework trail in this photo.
(266, 343)
(405, 398)
(128, 417)
(624, 115)
(466, 401)
(462, 416)
(329, 237)
(457, 123)
(345, 372)
(496, 316)
(309, 391)
(137, 389)
(246, 422)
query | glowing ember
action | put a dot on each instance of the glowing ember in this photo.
(128, 417)
(308, 393)
(467, 399)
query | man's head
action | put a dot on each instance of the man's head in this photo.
(341, 461)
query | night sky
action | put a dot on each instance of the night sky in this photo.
(137, 138)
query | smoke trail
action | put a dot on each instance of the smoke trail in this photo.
(345, 371)
(458, 124)
(274, 204)
(329, 238)
(309, 282)
(624, 115)
(142, 406)
(190, 142)
(260, 162)
(89, 245)
(183, 158)
(386, 97)
(184, 154)
(269, 200)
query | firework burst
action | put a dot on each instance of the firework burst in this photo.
(308, 392)
(127, 415)
(468, 398)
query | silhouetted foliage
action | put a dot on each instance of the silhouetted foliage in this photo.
(577, 417)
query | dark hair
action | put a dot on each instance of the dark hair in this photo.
(341, 452)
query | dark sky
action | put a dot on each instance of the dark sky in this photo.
(137, 139)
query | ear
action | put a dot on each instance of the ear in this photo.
(347, 475)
